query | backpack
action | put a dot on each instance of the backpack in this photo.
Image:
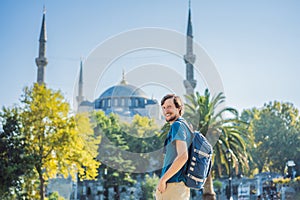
(198, 165)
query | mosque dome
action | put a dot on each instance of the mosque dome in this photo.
(123, 90)
(125, 100)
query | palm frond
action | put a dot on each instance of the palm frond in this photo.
(221, 125)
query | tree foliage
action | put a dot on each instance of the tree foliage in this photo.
(149, 186)
(115, 167)
(15, 161)
(142, 135)
(54, 196)
(275, 128)
(60, 144)
(146, 141)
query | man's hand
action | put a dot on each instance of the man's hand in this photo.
(162, 186)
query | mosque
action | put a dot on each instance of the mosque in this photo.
(123, 99)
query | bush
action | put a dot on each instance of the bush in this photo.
(149, 185)
(55, 196)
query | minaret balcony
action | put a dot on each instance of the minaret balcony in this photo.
(190, 83)
(190, 58)
(41, 61)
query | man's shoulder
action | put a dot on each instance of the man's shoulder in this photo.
(179, 128)
(177, 124)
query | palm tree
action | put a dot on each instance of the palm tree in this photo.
(222, 127)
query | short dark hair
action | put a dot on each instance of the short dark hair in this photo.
(177, 102)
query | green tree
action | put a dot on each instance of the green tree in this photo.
(222, 127)
(274, 127)
(15, 161)
(115, 168)
(248, 116)
(142, 136)
(54, 196)
(59, 142)
(149, 186)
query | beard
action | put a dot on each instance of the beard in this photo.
(172, 118)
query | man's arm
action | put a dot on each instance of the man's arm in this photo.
(179, 161)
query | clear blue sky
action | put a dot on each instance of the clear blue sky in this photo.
(254, 44)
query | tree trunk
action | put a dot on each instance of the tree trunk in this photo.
(116, 192)
(208, 189)
(42, 186)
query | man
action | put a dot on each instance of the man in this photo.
(171, 184)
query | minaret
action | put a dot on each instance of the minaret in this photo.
(42, 61)
(189, 58)
(80, 97)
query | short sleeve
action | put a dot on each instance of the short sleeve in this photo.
(178, 132)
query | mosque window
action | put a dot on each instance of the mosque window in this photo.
(108, 102)
(136, 103)
(129, 103)
(115, 102)
(122, 102)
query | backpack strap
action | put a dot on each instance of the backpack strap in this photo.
(186, 124)
(209, 168)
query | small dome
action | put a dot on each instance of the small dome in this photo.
(87, 103)
(123, 90)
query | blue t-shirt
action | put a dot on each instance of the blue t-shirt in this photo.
(178, 131)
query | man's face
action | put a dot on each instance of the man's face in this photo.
(170, 111)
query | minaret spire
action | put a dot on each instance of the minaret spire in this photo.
(41, 61)
(189, 27)
(80, 97)
(189, 57)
